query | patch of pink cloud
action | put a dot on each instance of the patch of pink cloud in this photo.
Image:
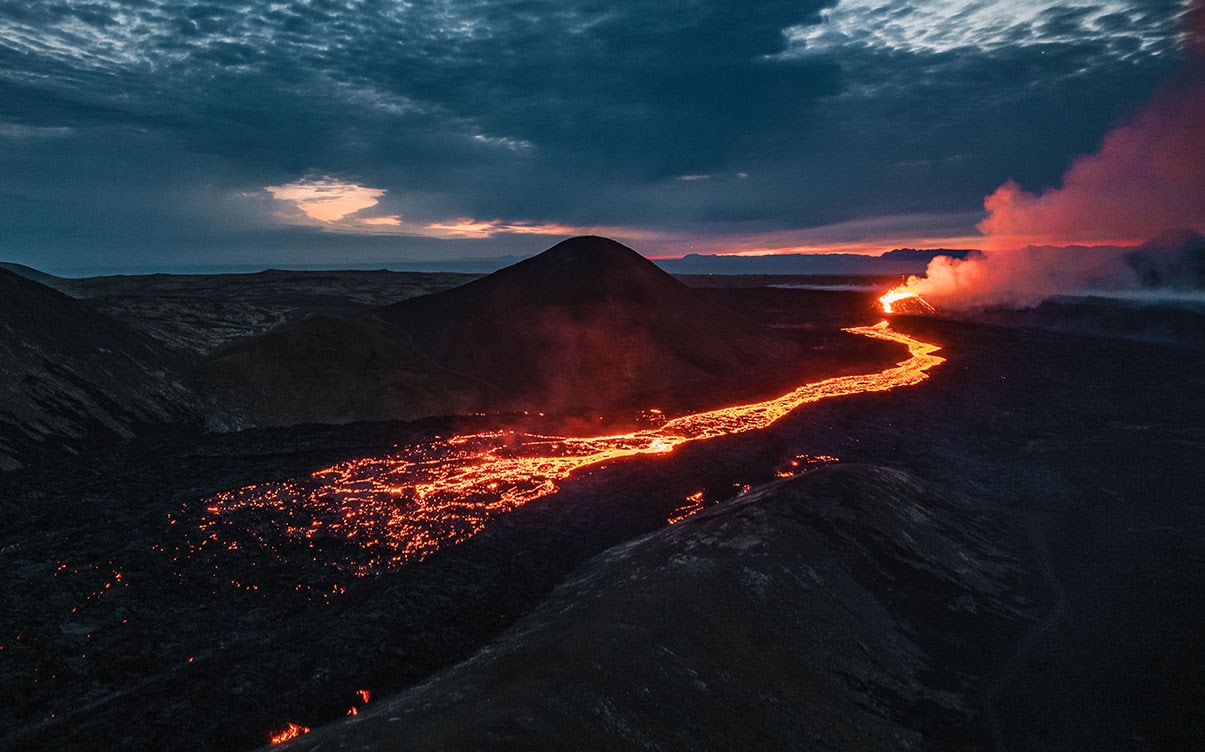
(473, 228)
(393, 221)
(326, 199)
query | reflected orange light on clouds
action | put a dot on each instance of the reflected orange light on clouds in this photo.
(860, 247)
(370, 515)
(326, 199)
(474, 228)
(382, 221)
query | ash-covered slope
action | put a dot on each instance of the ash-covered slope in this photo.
(586, 324)
(72, 376)
(849, 609)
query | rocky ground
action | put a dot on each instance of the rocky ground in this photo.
(1019, 567)
(201, 313)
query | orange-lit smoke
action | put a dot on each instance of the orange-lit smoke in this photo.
(1146, 181)
(1148, 177)
(1022, 277)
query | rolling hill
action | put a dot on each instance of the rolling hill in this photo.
(73, 376)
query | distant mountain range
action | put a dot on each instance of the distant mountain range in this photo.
(899, 261)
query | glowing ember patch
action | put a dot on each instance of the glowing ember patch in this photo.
(292, 731)
(370, 515)
(803, 463)
(364, 696)
(694, 504)
(900, 300)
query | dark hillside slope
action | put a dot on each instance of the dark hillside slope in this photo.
(72, 376)
(848, 609)
(586, 324)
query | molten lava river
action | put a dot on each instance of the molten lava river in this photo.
(370, 515)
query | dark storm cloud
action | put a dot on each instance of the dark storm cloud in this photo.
(134, 125)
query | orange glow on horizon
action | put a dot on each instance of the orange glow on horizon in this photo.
(861, 248)
(376, 514)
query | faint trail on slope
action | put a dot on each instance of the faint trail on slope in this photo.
(1027, 641)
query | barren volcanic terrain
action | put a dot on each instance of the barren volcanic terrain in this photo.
(587, 325)
(1005, 554)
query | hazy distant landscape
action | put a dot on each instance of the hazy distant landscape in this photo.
(917, 566)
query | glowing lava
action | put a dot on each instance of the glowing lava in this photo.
(909, 302)
(292, 731)
(373, 514)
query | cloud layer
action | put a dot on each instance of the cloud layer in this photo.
(146, 131)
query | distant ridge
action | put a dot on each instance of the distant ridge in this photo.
(28, 272)
(587, 324)
(899, 261)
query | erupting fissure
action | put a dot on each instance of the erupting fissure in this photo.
(900, 300)
(370, 515)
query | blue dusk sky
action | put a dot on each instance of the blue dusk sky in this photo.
(160, 134)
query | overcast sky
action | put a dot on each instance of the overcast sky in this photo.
(160, 133)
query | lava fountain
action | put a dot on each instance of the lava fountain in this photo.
(374, 514)
(902, 300)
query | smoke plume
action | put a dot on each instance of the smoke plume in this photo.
(1146, 181)
(1147, 177)
(1170, 266)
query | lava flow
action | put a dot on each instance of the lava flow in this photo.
(288, 733)
(369, 515)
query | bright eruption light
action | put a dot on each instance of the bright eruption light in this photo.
(900, 300)
(374, 514)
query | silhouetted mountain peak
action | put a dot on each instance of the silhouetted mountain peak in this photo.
(587, 253)
(574, 271)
